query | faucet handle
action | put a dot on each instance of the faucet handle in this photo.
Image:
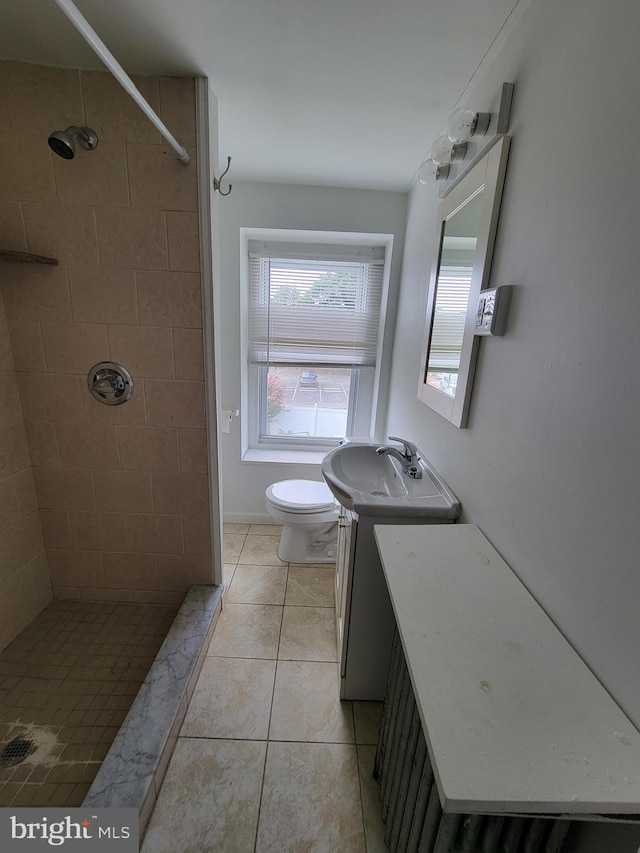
(410, 450)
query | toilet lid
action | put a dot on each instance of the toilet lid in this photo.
(301, 495)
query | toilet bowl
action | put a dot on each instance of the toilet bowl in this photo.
(308, 513)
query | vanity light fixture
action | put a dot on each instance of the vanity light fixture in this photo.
(464, 123)
(428, 172)
(443, 152)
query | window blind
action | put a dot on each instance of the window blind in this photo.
(447, 332)
(306, 310)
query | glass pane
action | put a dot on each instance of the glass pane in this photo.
(452, 295)
(307, 402)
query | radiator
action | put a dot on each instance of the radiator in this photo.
(411, 811)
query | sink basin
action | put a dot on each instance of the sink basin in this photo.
(373, 484)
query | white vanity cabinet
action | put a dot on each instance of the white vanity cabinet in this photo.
(364, 616)
(347, 525)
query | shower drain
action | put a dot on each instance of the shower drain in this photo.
(16, 751)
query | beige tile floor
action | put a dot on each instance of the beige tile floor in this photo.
(269, 760)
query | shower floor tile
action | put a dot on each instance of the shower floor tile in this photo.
(66, 684)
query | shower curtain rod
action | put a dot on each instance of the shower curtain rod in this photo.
(99, 47)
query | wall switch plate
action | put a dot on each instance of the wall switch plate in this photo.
(493, 307)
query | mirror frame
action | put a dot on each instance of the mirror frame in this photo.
(488, 172)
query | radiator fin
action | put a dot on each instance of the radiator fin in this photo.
(411, 810)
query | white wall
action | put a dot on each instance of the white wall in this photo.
(254, 205)
(549, 467)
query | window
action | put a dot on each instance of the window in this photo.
(314, 320)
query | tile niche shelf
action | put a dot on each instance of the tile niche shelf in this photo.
(25, 258)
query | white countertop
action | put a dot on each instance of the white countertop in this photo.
(514, 719)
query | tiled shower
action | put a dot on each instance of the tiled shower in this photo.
(98, 503)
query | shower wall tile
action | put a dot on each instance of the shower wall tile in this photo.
(132, 239)
(130, 571)
(51, 397)
(9, 512)
(64, 488)
(197, 534)
(184, 242)
(74, 347)
(98, 594)
(66, 232)
(175, 404)
(44, 296)
(7, 364)
(97, 531)
(28, 349)
(169, 299)
(4, 115)
(178, 573)
(99, 179)
(26, 495)
(43, 442)
(26, 170)
(85, 445)
(76, 568)
(113, 114)
(40, 580)
(20, 543)
(186, 494)
(188, 353)
(100, 295)
(56, 528)
(178, 108)
(41, 99)
(11, 410)
(18, 598)
(65, 592)
(193, 451)
(134, 413)
(151, 533)
(14, 450)
(148, 449)
(144, 351)
(122, 491)
(159, 181)
(12, 227)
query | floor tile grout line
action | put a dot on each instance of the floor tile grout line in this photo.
(264, 776)
(360, 788)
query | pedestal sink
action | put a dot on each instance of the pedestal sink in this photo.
(373, 489)
(372, 484)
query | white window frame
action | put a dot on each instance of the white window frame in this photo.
(363, 418)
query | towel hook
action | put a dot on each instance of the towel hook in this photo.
(216, 181)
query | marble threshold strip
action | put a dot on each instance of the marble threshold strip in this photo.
(134, 767)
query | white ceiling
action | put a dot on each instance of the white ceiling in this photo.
(329, 92)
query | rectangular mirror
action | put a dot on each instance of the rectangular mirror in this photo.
(466, 228)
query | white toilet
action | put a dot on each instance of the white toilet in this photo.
(308, 513)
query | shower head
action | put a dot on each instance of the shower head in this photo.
(62, 142)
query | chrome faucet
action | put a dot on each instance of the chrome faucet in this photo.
(408, 456)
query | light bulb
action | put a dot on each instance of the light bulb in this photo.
(444, 151)
(464, 123)
(429, 172)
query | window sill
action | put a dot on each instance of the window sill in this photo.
(298, 457)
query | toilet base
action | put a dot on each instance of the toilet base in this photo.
(308, 546)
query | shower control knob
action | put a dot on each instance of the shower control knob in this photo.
(110, 383)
